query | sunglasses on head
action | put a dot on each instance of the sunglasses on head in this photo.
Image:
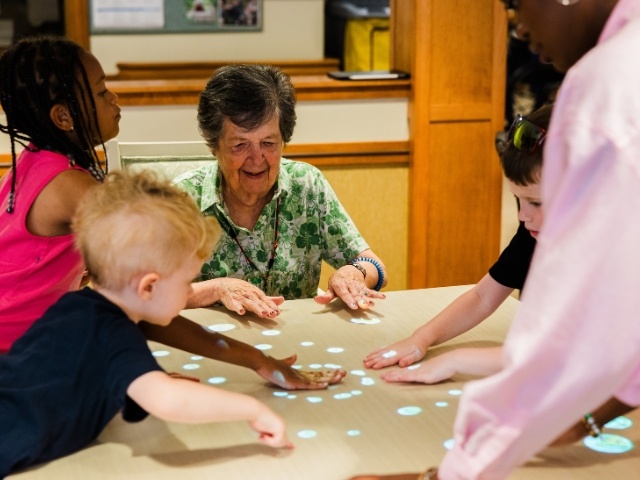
(525, 135)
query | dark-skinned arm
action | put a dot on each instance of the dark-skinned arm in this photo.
(191, 337)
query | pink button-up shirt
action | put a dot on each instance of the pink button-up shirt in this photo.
(575, 341)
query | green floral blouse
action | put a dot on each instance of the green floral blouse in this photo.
(312, 226)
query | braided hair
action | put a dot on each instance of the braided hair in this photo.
(36, 74)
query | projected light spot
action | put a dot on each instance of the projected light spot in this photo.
(409, 411)
(356, 392)
(216, 380)
(619, 423)
(315, 365)
(291, 396)
(264, 346)
(280, 394)
(448, 444)
(191, 366)
(455, 392)
(353, 433)
(195, 358)
(441, 404)
(297, 367)
(160, 353)
(314, 399)
(332, 365)
(221, 327)
(414, 366)
(220, 343)
(335, 349)
(277, 376)
(306, 344)
(368, 381)
(365, 321)
(608, 443)
(307, 434)
(271, 333)
(359, 373)
(389, 354)
(342, 396)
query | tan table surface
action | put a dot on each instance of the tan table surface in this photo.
(356, 423)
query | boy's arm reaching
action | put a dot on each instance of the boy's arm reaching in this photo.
(191, 337)
(464, 313)
(184, 401)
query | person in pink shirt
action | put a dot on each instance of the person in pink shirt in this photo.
(573, 345)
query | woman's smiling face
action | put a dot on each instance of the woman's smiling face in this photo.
(250, 159)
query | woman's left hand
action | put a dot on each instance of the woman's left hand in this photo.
(348, 284)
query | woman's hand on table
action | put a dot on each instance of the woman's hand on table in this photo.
(348, 284)
(281, 373)
(235, 294)
(404, 353)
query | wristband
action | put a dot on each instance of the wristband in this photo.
(378, 268)
(363, 271)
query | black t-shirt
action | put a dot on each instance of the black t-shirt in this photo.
(66, 378)
(513, 265)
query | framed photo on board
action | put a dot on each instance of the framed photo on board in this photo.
(166, 16)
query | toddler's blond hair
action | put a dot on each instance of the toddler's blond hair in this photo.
(133, 224)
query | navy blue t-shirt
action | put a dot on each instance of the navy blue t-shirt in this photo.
(512, 267)
(67, 377)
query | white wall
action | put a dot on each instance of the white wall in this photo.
(292, 30)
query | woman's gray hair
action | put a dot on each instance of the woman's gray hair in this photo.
(249, 96)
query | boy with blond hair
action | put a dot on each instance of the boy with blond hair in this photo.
(143, 242)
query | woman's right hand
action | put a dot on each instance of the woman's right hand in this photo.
(282, 374)
(404, 353)
(237, 295)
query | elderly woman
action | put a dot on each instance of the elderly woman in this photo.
(279, 218)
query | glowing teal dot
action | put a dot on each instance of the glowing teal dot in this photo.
(264, 346)
(271, 333)
(160, 353)
(306, 344)
(619, 423)
(291, 396)
(455, 392)
(307, 434)
(367, 381)
(221, 327)
(191, 366)
(608, 443)
(196, 358)
(296, 367)
(314, 399)
(335, 349)
(356, 392)
(332, 366)
(360, 373)
(441, 404)
(365, 321)
(409, 411)
(353, 433)
(414, 366)
(389, 354)
(315, 365)
(342, 396)
(217, 380)
(280, 394)
(448, 444)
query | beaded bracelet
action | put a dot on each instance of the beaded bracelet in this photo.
(593, 429)
(378, 267)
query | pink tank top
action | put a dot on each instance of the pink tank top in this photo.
(34, 271)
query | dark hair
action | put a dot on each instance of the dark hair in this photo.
(35, 74)
(249, 96)
(524, 168)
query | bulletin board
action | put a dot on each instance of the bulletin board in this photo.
(174, 16)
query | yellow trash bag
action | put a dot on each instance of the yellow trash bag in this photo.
(366, 44)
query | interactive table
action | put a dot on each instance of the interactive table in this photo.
(362, 425)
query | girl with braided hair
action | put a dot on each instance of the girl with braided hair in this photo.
(57, 109)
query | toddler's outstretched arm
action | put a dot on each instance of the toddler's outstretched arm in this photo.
(184, 401)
